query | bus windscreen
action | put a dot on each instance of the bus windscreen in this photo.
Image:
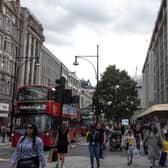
(42, 122)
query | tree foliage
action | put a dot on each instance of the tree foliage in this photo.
(118, 93)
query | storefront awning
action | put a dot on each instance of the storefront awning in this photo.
(157, 107)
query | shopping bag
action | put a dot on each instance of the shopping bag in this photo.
(163, 157)
(136, 153)
(53, 155)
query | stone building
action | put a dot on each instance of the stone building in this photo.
(51, 68)
(74, 83)
(155, 70)
(23, 58)
(21, 38)
(10, 28)
(31, 39)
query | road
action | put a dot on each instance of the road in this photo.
(78, 157)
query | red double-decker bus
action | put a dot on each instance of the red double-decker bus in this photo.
(35, 103)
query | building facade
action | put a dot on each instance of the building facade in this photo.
(148, 81)
(74, 83)
(51, 68)
(10, 28)
(138, 80)
(27, 68)
(21, 38)
(86, 96)
(23, 58)
(155, 70)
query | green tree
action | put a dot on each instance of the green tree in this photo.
(118, 93)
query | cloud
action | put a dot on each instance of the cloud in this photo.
(75, 26)
(133, 16)
(136, 17)
(57, 38)
(65, 16)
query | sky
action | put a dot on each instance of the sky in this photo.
(121, 28)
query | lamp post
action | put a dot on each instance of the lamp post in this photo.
(15, 80)
(96, 74)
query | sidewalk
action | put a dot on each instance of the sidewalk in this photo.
(4, 143)
(109, 162)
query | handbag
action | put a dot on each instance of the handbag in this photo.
(53, 155)
(32, 162)
(28, 163)
(159, 143)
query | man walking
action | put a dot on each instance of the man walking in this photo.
(3, 132)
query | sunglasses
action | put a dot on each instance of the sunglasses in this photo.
(29, 127)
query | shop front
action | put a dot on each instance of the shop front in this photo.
(4, 111)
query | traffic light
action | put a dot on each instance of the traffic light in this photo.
(60, 90)
(75, 99)
(68, 96)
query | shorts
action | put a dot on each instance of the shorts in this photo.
(130, 150)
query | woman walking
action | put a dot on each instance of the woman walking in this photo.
(138, 137)
(94, 145)
(29, 151)
(152, 138)
(63, 139)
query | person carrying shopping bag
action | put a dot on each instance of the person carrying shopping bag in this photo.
(29, 152)
(62, 142)
(152, 137)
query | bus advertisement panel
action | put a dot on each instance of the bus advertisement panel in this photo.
(69, 114)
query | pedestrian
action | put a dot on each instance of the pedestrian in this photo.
(94, 145)
(163, 157)
(131, 143)
(101, 131)
(62, 141)
(138, 137)
(3, 132)
(152, 137)
(165, 130)
(145, 131)
(157, 124)
(29, 151)
(8, 131)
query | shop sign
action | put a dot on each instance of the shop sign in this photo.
(4, 107)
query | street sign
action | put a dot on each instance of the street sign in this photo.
(125, 122)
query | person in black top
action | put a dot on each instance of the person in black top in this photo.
(101, 131)
(94, 145)
(138, 137)
(63, 139)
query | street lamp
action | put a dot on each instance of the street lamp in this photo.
(96, 74)
(15, 80)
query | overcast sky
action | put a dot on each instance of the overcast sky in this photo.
(122, 28)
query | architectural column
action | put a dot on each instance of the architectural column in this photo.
(33, 62)
(28, 62)
(37, 68)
